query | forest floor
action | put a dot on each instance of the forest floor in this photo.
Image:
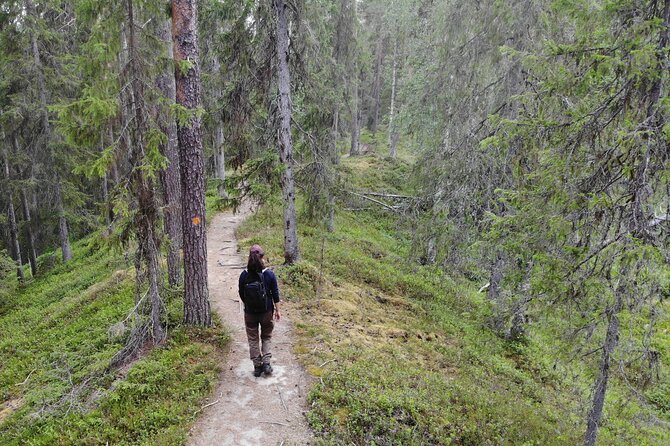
(245, 410)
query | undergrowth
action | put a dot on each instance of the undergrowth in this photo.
(401, 353)
(56, 387)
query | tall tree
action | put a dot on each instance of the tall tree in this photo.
(146, 215)
(192, 162)
(11, 218)
(354, 77)
(45, 139)
(393, 131)
(291, 252)
(170, 175)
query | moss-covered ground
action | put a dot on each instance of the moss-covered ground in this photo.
(56, 343)
(402, 355)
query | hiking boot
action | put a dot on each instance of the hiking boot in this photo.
(267, 368)
(258, 370)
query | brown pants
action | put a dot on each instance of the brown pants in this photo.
(260, 355)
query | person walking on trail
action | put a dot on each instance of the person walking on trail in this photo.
(260, 294)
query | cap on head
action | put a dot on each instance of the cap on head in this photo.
(256, 249)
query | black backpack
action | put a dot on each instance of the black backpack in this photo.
(255, 296)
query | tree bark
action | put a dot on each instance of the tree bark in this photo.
(355, 121)
(27, 221)
(377, 82)
(191, 158)
(355, 106)
(393, 134)
(143, 187)
(600, 386)
(30, 237)
(63, 232)
(46, 133)
(170, 176)
(220, 159)
(11, 219)
(291, 252)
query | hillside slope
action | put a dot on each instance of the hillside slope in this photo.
(402, 352)
(55, 349)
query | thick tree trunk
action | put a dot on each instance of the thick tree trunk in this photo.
(600, 386)
(46, 134)
(170, 176)
(291, 253)
(13, 228)
(191, 158)
(220, 159)
(393, 133)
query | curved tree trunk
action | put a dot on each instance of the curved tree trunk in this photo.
(291, 253)
(192, 165)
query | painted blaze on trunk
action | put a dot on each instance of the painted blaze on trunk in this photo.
(192, 166)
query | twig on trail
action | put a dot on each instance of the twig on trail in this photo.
(330, 360)
(281, 398)
(206, 406)
(274, 422)
(26, 380)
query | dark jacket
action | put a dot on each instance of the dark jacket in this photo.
(271, 288)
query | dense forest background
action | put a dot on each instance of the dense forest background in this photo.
(513, 153)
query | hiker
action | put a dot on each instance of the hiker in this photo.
(260, 294)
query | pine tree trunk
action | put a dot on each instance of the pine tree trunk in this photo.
(220, 159)
(191, 158)
(44, 115)
(170, 176)
(13, 228)
(291, 253)
(393, 134)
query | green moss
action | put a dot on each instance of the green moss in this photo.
(414, 362)
(56, 348)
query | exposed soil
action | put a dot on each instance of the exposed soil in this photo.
(244, 410)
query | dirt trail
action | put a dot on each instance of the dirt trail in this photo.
(248, 411)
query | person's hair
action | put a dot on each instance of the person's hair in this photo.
(255, 262)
